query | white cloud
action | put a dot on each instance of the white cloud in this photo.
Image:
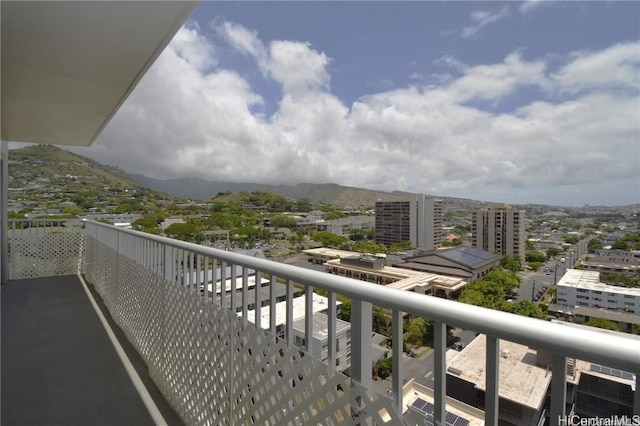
(530, 5)
(482, 18)
(615, 67)
(242, 39)
(293, 64)
(490, 82)
(186, 120)
(298, 67)
(193, 47)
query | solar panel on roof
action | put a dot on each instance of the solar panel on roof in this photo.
(419, 404)
(611, 371)
(467, 255)
(427, 409)
(461, 422)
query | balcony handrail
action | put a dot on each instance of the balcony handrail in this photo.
(616, 351)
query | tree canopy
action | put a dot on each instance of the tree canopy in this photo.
(184, 232)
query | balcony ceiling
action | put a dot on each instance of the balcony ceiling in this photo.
(68, 66)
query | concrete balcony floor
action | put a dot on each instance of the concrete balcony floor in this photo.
(59, 366)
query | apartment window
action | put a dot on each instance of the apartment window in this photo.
(628, 296)
(582, 290)
(597, 292)
(299, 341)
(337, 345)
(612, 301)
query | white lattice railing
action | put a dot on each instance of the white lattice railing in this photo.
(45, 247)
(217, 368)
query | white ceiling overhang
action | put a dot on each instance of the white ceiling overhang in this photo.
(68, 66)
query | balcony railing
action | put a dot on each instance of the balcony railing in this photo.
(216, 367)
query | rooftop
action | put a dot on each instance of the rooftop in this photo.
(590, 280)
(320, 325)
(521, 380)
(320, 303)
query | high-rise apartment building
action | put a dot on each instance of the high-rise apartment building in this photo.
(499, 228)
(418, 220)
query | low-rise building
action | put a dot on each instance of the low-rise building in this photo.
(524, 383)
(579, 287)
(320, 346)
(612, 261)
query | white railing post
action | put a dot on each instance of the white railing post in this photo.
(331, 331)
(558, 389)
(491, 402)
(308, 319)
(361, 332)
(398, 350)
(439, 372)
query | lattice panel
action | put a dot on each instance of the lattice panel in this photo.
(52, 254)
(216, 368)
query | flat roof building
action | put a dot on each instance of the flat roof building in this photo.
(578, 287)
(523, 383)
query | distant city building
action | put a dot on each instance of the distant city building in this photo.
(345, 225)
(578, 287)
(612, 261)
(372, 269)
(499, 229)
(418, 220)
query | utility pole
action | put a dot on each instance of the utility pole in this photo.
(533, 289)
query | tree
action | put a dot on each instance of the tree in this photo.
(507, 279)
(385, 367)
(148, 221)
(282, 221)
(553, 251)
(572, 239)
(328, 239)
(368, 247)
(511, 263)
(603, 323)
(594, 244)
(357, 234)
(402, 246)
(535, 256)
(303, 205)
(524, 308)
(418, 331)
(184, 232)
(124, 208)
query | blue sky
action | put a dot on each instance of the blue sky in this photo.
(518, 102)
